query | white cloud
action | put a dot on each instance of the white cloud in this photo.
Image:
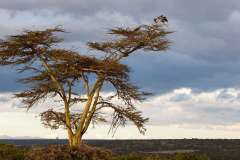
(184, 106)
(214, 112)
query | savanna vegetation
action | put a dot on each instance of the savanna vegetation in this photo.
(64, 152)
(214, 149)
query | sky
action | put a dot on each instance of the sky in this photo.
(196, 83)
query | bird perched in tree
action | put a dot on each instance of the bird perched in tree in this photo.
(161, 19)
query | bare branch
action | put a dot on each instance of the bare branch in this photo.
(122, 114)
(86, 85)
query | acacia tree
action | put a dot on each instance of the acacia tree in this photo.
(77, 80)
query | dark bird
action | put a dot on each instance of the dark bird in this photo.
(161, 19)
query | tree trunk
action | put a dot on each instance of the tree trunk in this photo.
(75, 141)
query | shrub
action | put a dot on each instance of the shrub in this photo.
(63, 152)
(11, 152)
(189, 156)
(138, 157)
(180, 156)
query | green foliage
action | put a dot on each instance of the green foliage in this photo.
(10, 152)
(184, 156)
(180, 156)
(136, 157)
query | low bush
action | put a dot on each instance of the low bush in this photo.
(11, 152)
(189, 156)
(137, 157)
(180, 156)
(63, 152)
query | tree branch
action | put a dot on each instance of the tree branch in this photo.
(88, 104)
(91, 113)
(85, 82)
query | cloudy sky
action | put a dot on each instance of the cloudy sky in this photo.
(195, 83)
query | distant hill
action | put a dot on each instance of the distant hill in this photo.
(18, 137)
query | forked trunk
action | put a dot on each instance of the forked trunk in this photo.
(75, 141)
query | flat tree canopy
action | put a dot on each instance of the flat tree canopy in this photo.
(78, 79)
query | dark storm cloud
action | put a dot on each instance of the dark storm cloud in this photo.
(168, 71)
(8, 79)
(204, 54)
(191, 11)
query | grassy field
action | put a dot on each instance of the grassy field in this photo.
(61, 152)
(215, 149)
